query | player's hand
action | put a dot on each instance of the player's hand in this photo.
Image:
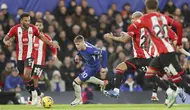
(55, 45)
(104, 70)
(54, 57)
(108, 35)
(77, 59)
(8, 43)
(123, 34)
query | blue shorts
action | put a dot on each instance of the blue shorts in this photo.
(88, 72)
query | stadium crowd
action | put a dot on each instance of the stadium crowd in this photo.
(63, 24)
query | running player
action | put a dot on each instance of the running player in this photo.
(157, 25)
(24, 33)
(39, 54)
(141, 56)
(91, 56)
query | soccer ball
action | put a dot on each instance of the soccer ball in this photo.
(47, 102)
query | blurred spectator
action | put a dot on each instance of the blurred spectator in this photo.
(71, 8)
(114, 56)
(110, 16)
(69, 81)
(178, 15)
(57, 84)
(87, 95)
(119, 21)
(48, 17)
(62, 43)
(19, 12)
(8, 69)
(169, 7)
(69, 50)
(130, 85)
(50, 68)
(44, 83)
(93, 36)
(3, 61)
(32, 17)
(84, 29)
(114, 8)
(100, 45)
(126, 11)
(76, 30)
(68, 28)
(13, 82)
(57, 10)
(85, 7)
(186, 14)
(6, 16)
(66, 68)
(78, 14)
(91, 18)
(60, 17)
(121, 58)
(51, 31)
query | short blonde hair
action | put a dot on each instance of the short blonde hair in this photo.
(79, 38)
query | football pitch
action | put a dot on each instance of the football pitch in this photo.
(99, 107)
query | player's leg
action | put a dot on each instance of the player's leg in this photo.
(120, 69)
(20, 66)
(28, 81)
(155, 65)
(97, 81)
(77, 88)
(36, 73)
(173, 69)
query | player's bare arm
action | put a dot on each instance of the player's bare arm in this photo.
(44, 39)
(124, 37)
(7, 40)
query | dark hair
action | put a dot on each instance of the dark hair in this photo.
(25, 14)
(39, 21)
(78, 38)
(152, 4)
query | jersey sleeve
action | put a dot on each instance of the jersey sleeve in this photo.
(12, 32)
(179, 28)
(54, 50)
(172, 35)
(36, 31)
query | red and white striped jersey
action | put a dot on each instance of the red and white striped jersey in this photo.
(139, 41)
(172, 37)
(39, 50)
(24, 40)
(157, 26)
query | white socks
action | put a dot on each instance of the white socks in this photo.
(77, 89)
(95, 80)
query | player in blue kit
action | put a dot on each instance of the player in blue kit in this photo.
(90, 55)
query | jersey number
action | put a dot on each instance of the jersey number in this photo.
(161, 31)
(170, 70)
(143, 41)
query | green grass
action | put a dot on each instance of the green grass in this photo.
(99, 107)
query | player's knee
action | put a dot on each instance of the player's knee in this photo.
(121, 68)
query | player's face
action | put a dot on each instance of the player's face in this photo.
(133, 19)
(79, 45)
(25, 21)
(39, 26)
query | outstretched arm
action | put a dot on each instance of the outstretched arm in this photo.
(124, 37)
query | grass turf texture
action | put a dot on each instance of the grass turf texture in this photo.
(99, 107)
